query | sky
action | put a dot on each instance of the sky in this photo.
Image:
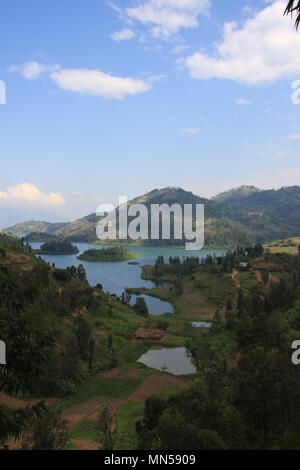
(110, 98)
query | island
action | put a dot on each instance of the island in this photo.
(108, 254)
(57, 248)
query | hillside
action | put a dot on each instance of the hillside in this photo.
(236, 194)
(33, 226)
(282, 205)
(241, 216)
(74, 356)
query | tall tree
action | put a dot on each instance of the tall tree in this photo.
(293, 7)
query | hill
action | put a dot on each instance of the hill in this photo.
(33, 226)
(245, 215)
(282, 205)
(235, 194)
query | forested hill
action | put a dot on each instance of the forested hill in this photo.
(282, 205)
(240, 216)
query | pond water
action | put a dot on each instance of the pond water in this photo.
(117, 276)
(176, 361)
(202, 325)
(155, 306)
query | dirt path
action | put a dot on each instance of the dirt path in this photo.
(156, 383)
(85, 445)
(89, 410)
(124, 374)
(259, 277)
(16, 403)
(234, 278)
(153, 384)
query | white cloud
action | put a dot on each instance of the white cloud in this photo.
(242, 102)
(294, 137)
(27, 193)
(167, 17)
(191, 130)
(97, 83)
(86, 81)
(123, 35)
(263, 49)
(32, 70)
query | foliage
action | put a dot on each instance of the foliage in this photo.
(58, 247)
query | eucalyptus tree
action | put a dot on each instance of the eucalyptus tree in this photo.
(293, 8)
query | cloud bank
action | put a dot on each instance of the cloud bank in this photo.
(263, 49)
(85, 81)
(29, 194)
(165, 18)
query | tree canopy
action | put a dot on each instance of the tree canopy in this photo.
(293, 7)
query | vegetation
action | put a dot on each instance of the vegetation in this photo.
(108, 254)
(247, 394)
(56, 247)
(40, 237)
(76, 345)
(242, 216)
(293, 7)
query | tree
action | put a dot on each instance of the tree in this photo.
(81, 273)
(71, 358)
(91, 353)
(293, 7)
(13, 422)
(110, 341)
(104, 424)
(178, 287)
(83, 333)
(141, 307)
(49, 433)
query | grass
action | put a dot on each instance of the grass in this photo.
(127, 417)
(289, 246)
(118, 388)
(202, 292)
(86, 430)
(172, 341)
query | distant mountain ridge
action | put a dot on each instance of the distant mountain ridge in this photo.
(243, 216)
(236, 194)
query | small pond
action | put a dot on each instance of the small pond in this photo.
(176, 361)
(202, 325)
(155, 306)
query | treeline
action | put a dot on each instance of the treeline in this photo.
(58, 247)
(247, 395)
(44, 356)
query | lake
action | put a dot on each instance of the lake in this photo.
(117, 276)
(176, 361)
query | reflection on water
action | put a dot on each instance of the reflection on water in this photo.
(176, 361)
(155, 306)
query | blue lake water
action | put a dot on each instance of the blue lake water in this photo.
(117, 276)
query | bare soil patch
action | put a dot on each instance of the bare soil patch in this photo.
(16, 403)
(150, 334)
(156, 383)
(85, 445)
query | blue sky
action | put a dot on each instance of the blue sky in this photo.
(112, 98)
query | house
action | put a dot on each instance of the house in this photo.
(243, 266)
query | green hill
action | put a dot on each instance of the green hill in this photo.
(240, 216)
